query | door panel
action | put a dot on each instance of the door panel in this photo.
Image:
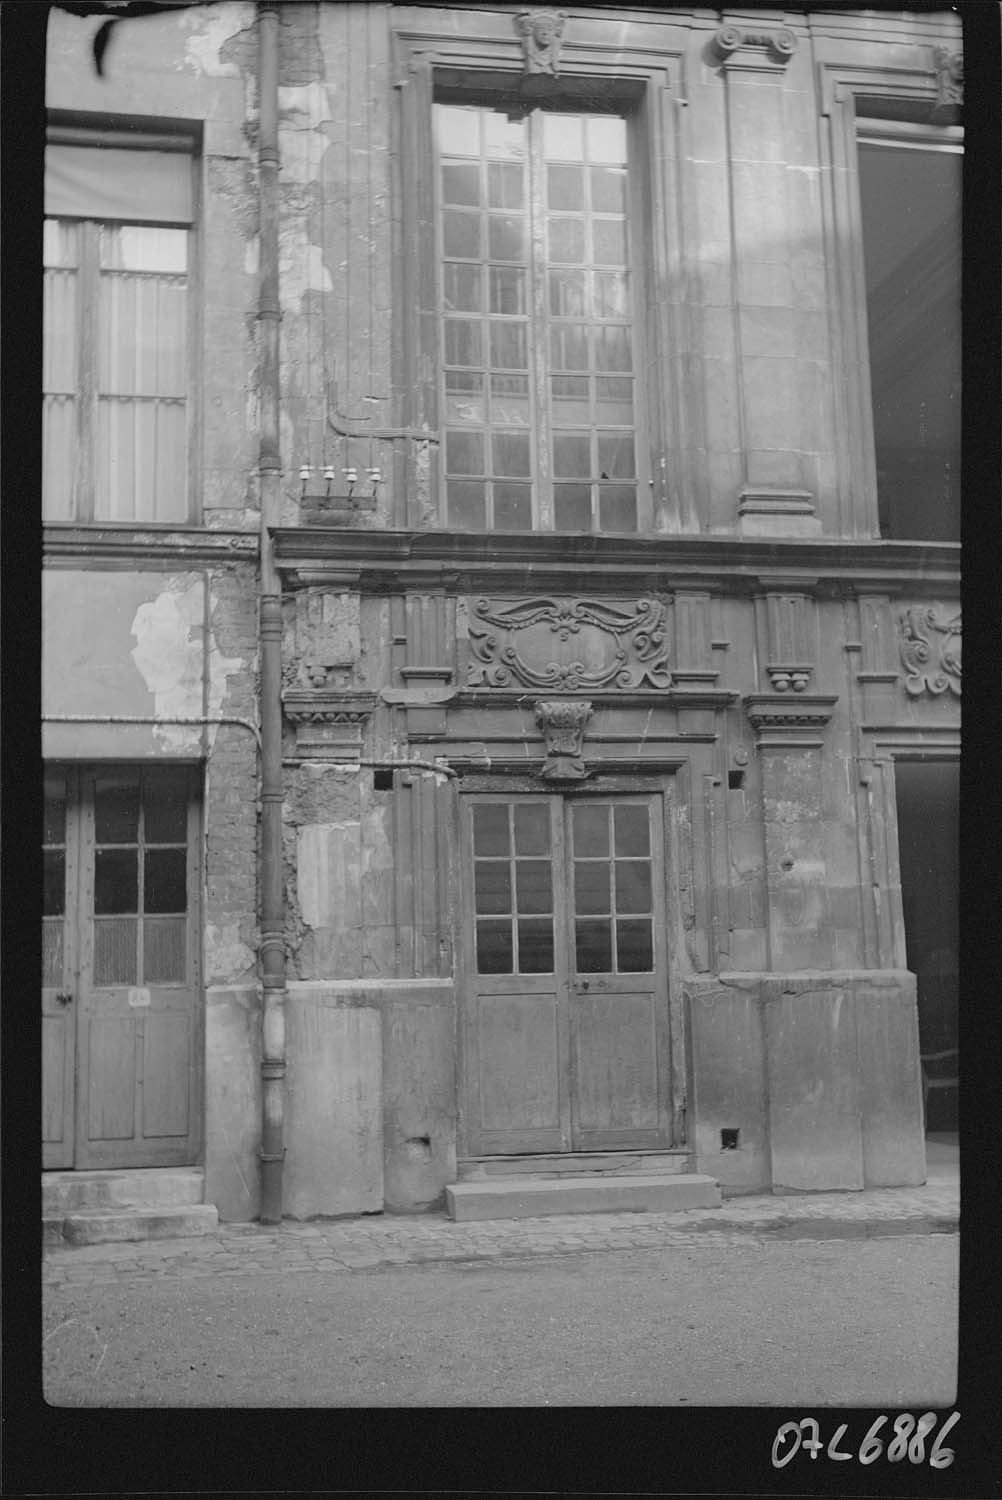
(58, 976)
(566, 1029)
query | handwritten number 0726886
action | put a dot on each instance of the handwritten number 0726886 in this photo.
(908, 1441)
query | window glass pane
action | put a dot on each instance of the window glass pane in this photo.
(592, 891)
(606, 138)
(467, 504)
(562, 137)
(490, 829)
(461, 289)
(53, 882)
(511, 452)
(494, 947)
(568, 294)
(59, 448)
(535, 946)
(593, 947)
(465, 409)
(164, 945)
(566, 239)
(615, 455)
(633, 832)
(142, 247)
(633, 885)
(569, 346)
(565, 187)
(609, 240)
(462, 341)
(510, 409)
(617, 507)
(55, 808)
(60, 241)
(116, 808)
(509, 350)
(612, 294)
(115, 951)
(503, 137)
(608, 190)
(165, 880)
(492, 885)
(507, 290)
(612, 348)
(458, 130)
(634, 947)
(116, 881)
(505, 184)
(59, 338)
(461, 234)
(505, 237)
(571, 402)
(571, 455)
(513, 507)
(165, 807)
(532, 829)
(461, 183)
(591, 829)
(614, 399)
(464, 452)
(463, 380)
(533, 885)
(572, 507)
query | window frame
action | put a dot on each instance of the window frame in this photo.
(647, 95)
(843, 90)
(182, 137)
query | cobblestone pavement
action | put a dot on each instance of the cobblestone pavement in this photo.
(375, 1241)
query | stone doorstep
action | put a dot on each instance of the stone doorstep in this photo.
(168, 1221)
(149, 1187)
(560, 1165)
(530, 1198)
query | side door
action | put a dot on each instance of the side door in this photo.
(137, 1026)
(619, 1010)
(59, 978)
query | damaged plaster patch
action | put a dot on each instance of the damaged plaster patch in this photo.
(301, 142)
(168, 655)
(226, 954)
(327, 857)
(211, 30)
(301, 268)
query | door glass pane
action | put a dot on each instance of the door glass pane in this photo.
(632, 829)
(634, 947)
(591, 887)
(53, 882)
(55, 808)
(490, 829)
(532, 829)
(165, 880)
(534, 885)
(593, 947)
(165, 808)
(535, 946)
(492, 885)
(164, 950)
(572, 507)
(591, 829)
(116, 881)
(494, 947)
(52, 952)
(461, 183)
(633, 885)
(115, 951)
(116, 808)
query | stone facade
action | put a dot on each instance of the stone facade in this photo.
(756, 661)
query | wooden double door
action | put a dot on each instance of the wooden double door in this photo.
(566, 1018)
(120, 984)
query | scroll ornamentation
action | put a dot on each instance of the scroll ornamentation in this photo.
(930, 651)
(569, 645)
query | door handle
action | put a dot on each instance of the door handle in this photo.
(64, 998)
(583, 984)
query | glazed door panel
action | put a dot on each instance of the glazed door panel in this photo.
(566, 1013)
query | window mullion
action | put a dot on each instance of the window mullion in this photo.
(87, 417)
(538, 321)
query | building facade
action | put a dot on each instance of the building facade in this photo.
(501, 658)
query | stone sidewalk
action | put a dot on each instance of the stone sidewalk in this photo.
(383, 1240)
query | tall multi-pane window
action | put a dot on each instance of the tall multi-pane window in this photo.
(910, 203)
(538, 300)
(116, 334)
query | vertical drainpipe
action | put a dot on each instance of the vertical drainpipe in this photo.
(272, 949)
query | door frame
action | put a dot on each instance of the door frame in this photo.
(664, 788)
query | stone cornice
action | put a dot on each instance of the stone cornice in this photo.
(127, 544)
(385, 561)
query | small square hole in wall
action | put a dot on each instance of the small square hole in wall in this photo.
(735, 780)
(729, 1140)
(382, 781)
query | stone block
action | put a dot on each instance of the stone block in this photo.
(770, 402)
(334, 1104)
(232, 1101)
(814, 1089)
(419, 1091)
(766, 330)
(727, 1082)
(530, 1198)
(763, 281)
(890, 1084)
(328, 865)
(720, 409)
(760, 209)
(756, 123)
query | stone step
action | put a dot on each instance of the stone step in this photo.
(533, 1197)
(149, 1187)
(574, 1164)
(166, 1222)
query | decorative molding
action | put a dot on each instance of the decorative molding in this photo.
(931, 665)
(782, 722)
(328, 726)
(541, 32)
(786, 679)
(759, 49)
(563, 723)
(949, 70)
(566, 644)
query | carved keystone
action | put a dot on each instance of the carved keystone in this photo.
(541, 32)
(563, 724)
